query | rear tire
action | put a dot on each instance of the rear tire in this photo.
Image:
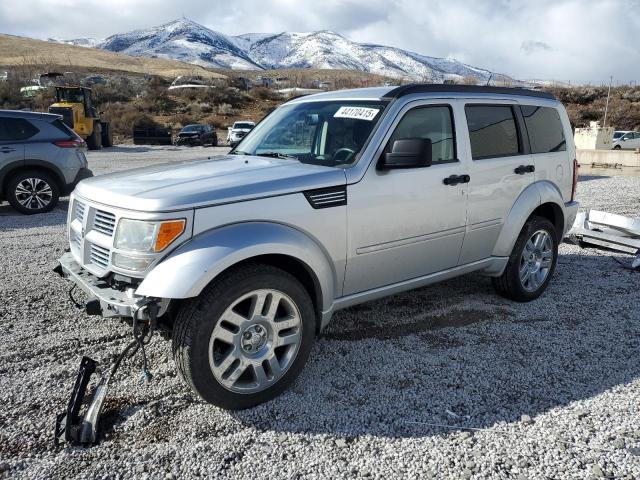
(94, 141)
(225, 340)
(531, 263)
(33, 191)
(617, 147)
(107, 134)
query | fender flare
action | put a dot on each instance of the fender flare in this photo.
(192, 266)
(7, 170)
(531, 198)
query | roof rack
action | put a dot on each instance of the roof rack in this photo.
(408, 89)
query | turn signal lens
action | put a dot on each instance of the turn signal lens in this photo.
(167, 233)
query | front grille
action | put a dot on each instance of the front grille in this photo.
(99, 256)
(104, 222)
(80, 209)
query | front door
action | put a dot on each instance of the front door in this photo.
(407, 223)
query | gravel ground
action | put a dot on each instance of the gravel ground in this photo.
(448, 381)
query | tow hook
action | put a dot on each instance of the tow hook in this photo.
(83, 429)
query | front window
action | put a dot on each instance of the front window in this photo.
(617, 135)
(330, 133)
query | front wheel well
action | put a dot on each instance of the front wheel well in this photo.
(553, 213)
(298, 269)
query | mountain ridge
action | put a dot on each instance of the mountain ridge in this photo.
(190, 42)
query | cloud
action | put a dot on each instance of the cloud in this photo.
(573, 40)
(533, 46)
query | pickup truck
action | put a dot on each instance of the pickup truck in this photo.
(332, 200)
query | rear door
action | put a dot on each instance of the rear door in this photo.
(548, 144)
(501, 169)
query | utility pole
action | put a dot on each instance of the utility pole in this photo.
(606, 108)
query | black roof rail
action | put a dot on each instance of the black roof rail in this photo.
(408, 89)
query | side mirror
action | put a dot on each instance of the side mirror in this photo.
(408, 153)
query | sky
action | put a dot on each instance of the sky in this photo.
(562, 40)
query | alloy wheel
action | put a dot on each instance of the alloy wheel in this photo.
(34, 193)
(255, 341)
(536, 260)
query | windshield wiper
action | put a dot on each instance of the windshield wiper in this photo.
(277, 155)
(238, 152)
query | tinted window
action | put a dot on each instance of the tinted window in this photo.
(60, 125)
(492, 131)
(434, 123)
(15, 129)
(545, 129)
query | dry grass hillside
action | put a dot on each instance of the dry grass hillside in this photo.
(19, 51)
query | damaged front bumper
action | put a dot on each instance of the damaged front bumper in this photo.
(103, 298)
(75, 425)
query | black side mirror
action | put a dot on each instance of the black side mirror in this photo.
(408, 153)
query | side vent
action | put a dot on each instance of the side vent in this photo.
(327, 197)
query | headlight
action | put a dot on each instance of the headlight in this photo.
(147, 237)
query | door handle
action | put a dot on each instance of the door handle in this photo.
(7, 149)
(522, 169)
(456, 179)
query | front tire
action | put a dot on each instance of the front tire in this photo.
(246, 338)
(531, 263)
(33, 192)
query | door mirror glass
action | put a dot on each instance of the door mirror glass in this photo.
(408, 153)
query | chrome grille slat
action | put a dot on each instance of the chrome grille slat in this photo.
(104, 222)
(99, 256)
(80, 209)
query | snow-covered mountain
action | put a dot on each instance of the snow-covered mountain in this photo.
(191, 42)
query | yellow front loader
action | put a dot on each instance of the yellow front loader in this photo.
(74, 104)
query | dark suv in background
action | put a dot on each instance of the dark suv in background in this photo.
(197, 135)
(41, 159)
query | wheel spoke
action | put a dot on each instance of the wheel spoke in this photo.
(524, 271)
(274, 366)
(224, 365)
(260, 374)
(274, 302)
(236, 373)
(221, 333)
(287, 323)
(257, 304)
(21, 190)
(288, 339)
(233, 318)
(546, 263)
(539, 240)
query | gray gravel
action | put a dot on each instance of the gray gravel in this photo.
(448, 381)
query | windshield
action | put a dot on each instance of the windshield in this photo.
(192, 128)
(70, 95)
(322, 133)
(617, 134)
(243, 125)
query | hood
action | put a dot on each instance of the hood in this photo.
(215, 180)
(245, 130)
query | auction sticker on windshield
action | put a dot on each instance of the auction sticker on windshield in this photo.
(357, 113)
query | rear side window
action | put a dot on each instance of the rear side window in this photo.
(16, 129)
(493, 131)
(60, 125)
(544, 128)
(434, 123)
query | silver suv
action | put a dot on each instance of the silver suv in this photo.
(333, 200)
(41, 159)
